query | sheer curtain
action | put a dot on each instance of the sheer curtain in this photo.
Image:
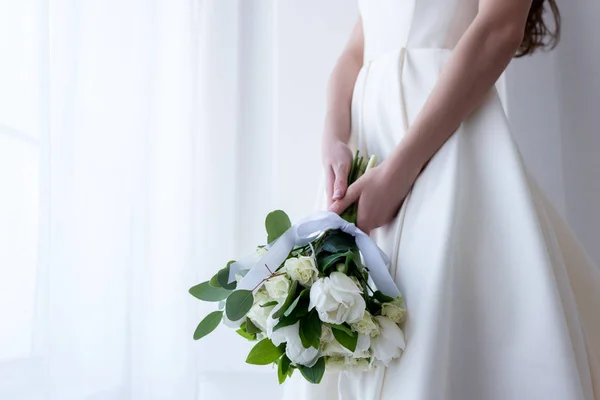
(135, 158)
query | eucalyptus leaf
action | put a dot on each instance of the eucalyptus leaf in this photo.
(315, 373)
(277, 222)
(206, 292)
(288, 300)
(223, 277)
(265, 353)
(310, 330)
(208, 324)
(238, 304)
(214, 281)
(346, 340)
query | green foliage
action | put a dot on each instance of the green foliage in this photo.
(315, 373)
(348, 340)
(382, 298)
(338, 242)
(238, 304)
(310, 330)
(288, 300)
(244, 333)
(283, 368)
(251, 328)
(277, 222)
(303, 295)
(208, 324)
(204, 291)
(269, 304)
(265, 353)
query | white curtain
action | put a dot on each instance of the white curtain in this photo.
(135, 160)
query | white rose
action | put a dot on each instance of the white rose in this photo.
(390, 342)
(393, 312)
(337, 299)
(302, 269)
(278, 287)
(326, 334)
(338, 364)
(261, 251)
(259, 314)
(294, 348)
(366, 325)
(335, 349)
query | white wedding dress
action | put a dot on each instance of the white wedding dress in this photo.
(503, 303)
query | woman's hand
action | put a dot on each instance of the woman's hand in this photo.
(380, 193)
(337, 160)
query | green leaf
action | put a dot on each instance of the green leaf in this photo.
(238, 304)
(206, 292)
(214, 281)
(288, 300)
(303, 294)
(346, 340)
(315, 373)
(286, 321)
(265, 353)
(339, 242)
(208, 324)
(283, 367)
(291, 371)
(251, 328)
(310, 330)
(243, 333)
(382, 298)
(269, 304)
(223, 277)
(277, 223)
(342, 328)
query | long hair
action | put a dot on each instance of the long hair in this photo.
(538, 35)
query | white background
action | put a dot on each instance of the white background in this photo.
(143, 141)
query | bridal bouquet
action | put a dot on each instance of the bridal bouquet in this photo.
(318, 296)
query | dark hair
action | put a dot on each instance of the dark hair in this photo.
(537, 33)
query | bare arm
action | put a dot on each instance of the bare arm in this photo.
(477, 62)
(337, 157)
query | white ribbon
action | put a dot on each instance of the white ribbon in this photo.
(305, 232)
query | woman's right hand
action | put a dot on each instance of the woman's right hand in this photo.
(337, 161)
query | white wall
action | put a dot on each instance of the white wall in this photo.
(579, 80)
(310, 37)
(554, 105)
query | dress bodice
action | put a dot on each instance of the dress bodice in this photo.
(391, 24)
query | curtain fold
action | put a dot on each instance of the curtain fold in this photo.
(131, 113)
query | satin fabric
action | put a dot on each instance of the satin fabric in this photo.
(503, 302)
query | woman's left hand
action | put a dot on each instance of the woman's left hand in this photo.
(380, 193)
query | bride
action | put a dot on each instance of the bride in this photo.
(503, 302)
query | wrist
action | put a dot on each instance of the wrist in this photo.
(404, 161)
(337, 128)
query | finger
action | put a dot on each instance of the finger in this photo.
(361, 221)
(341, 180)
(352, 195)
(329, 180)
